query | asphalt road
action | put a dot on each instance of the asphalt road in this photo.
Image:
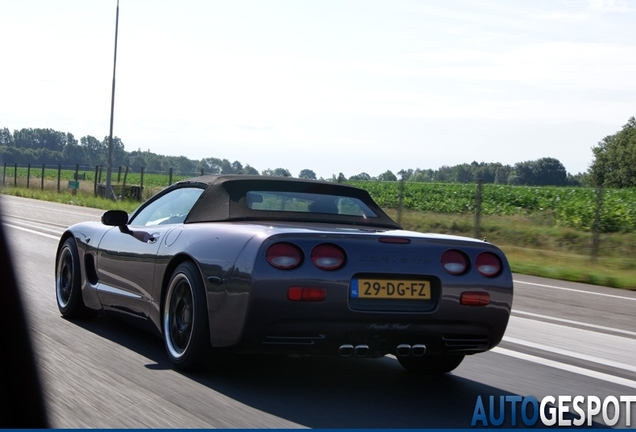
(564, 339)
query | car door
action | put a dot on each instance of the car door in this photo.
(127, 255)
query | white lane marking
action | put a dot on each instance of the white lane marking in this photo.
(57, 207)
(574, 341)
(575, 290)
(566, 367)
(580, 356)
(43, 228)
(33, 231)
(33, 222)
(578, 323)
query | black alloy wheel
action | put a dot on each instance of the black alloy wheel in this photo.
(185, 319)
(68, 286)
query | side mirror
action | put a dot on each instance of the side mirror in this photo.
(116, 218)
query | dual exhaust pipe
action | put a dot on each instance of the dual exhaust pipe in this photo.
(348, 350)
(402, 350)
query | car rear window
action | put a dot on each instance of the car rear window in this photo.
(302, 202)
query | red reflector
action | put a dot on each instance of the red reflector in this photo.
(474, 299)
(306, 294)
(295, 293)
(314, 294)
(394, 240)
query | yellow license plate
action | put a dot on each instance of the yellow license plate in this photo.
(390, 289)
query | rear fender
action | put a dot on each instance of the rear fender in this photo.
(223, 259)
(229, 296)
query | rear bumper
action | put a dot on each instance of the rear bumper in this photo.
(379, 336)
(264, 320)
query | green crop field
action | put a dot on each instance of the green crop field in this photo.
(568, 207)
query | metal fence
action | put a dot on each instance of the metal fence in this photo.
(66, 177)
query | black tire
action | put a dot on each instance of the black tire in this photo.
(431, 364)
(186, 331)
(68, 283)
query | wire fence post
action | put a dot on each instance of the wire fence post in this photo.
(28, 174)
(400, 201)
(42, 180)
(596, 224)
(141, 185)
(59, 174)
(95, 180)
(75, 178)
(123, 186)
(478, 192)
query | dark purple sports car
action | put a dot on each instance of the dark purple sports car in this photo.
(226, 264)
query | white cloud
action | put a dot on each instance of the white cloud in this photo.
(607, 6)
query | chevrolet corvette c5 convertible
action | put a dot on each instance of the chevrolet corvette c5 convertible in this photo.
(230, 264)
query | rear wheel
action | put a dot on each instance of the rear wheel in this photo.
(68, 285)
(186, 332)
(431, 364)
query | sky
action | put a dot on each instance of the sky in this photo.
(338, 86)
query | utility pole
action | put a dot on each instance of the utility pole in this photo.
(109, 167)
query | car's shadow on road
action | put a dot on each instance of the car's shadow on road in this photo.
(348, 393)
(328, 392)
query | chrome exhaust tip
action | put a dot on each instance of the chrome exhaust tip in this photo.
(345, 350)
(361, 350)
(418, 350)
(403, 350)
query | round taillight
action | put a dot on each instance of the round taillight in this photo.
(328, 256)
(284, 256)
(454, 262)
(488, 264)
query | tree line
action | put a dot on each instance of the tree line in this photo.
(540, 172)
(614, 164)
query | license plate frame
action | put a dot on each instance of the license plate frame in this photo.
(367, 288)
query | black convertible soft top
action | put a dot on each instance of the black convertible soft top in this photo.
(227, 198)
